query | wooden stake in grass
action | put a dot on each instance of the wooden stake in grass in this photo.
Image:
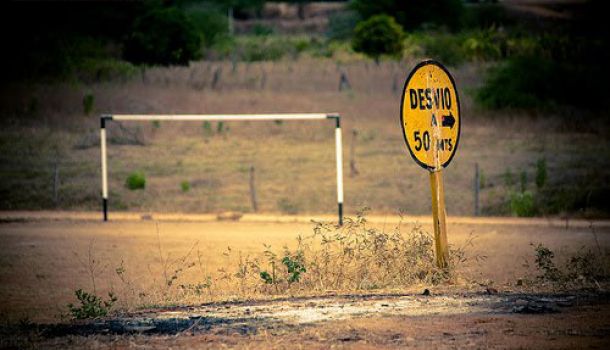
(438, 219)
(352, 155)
(477, 185)
(344, 82)
(253, 190)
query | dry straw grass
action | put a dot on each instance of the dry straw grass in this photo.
(293, 161)
(345, 259)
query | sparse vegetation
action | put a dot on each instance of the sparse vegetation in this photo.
(136, 181)
(355, 257)
(583, 268)
(88, 101)
(91, 306)
(185, 186)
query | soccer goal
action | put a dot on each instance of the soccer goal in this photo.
(224, 117)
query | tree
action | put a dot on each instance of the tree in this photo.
(163, 36)
(411, 14)
(378, 35)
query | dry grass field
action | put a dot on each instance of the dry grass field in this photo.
(50, 160)
(44, 262)
(214, 268)
(294, 160)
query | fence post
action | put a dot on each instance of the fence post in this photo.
(56, 182)
(477, 185)
(352, 155)
(253, 190)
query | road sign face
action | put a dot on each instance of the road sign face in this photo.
(430, 115)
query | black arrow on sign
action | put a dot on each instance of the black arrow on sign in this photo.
(449, 120)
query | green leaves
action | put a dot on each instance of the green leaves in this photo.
(378, 35)
(91, 306)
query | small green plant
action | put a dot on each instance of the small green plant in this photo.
(207, 128)
(156, 124)
(88, 101)
(482, 179)
(522, 203)
(270, 278)
(545, 264)
(523, 180)
(377, 36)
(509, 179)
(262, 30)
(91, 306)
(220, 127)
(294, 266)
(541, 173)
(584, 267)
(136, 181)
(185, 186)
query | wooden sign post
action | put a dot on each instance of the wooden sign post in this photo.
(430, 120)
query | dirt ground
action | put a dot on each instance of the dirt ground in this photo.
(42, 262)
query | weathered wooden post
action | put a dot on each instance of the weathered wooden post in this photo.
(253, 190)
(430, 120)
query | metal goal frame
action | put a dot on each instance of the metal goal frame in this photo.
(104, 118)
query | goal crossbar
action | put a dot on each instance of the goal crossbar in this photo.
(223, 117)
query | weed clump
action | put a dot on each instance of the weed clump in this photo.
(352, 257)
(584, 268)
(136, 181)
(91, 306)
(185, 186)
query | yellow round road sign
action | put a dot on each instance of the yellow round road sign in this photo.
(430, 115)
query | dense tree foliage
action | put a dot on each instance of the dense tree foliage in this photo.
(163, 36)
(378, 35)
(412, 14)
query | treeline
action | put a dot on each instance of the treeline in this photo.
(50, 40)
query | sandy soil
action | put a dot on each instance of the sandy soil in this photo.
(358, 322)
(42, 263)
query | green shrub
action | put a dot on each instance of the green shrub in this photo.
(264, 48)
(522, 204)
(88, 101)
(210, 23)
(185, 186)
(541, 173)
(414, 14)
(91, 306)
(377, 36)
(261, 30)
(509, 180)
(104, 69)
(523, 180)
(341, 25)
(445, 48)
(164, 37)
(539, 82)
(207, 128)
(484, 45)
(135, 181)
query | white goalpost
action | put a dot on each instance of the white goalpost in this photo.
(224, 117)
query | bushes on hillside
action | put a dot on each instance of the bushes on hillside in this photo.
(165, 37)
(378, 35)
(414, 14)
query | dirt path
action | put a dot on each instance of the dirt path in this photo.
(352, 321)
(28, 216)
